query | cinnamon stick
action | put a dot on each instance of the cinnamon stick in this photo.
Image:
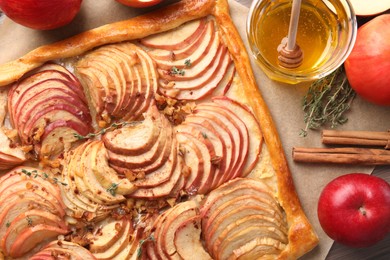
(362, 156)
(364, 138)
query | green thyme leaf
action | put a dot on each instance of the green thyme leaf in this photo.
(176, 71)
(29, 221)
(43, 176)
(327, 101)
(104, 130)
(112, 189)
(187, 62)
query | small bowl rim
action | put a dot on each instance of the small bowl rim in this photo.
(288, 75)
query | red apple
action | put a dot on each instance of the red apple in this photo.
(139, 3)
(354, 209)
(42, 14)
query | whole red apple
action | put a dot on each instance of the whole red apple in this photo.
(139, 3)
(41, 14)
(354, 209)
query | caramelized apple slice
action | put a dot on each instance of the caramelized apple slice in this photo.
(176, 38)
(64, 249)
(187, 240)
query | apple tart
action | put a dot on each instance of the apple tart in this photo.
(145, 139)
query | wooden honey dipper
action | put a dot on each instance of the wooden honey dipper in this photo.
(290, 54)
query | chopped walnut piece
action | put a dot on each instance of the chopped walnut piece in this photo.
(38, 134)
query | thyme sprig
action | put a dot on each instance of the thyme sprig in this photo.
(34, 174)
(175, 71)
(327, 101)
(112, 189)
(29, 221)
(141, 242)
(104, 130)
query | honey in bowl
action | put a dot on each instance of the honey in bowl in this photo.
(326, 33)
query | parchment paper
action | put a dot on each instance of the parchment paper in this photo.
(284, 101)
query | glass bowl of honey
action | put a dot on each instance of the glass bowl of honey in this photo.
(326, 35)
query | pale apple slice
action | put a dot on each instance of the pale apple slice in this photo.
(198, 75)
(105, 82)
(93, 88)
(208, 46)
(182, 53)
(202, 183)
(227, 81)
(114, 71)
(78, 204)
(174, 217)
(231, 135)
(33, 187)
(165, 189)
(235, 202)
(256, 136)
(194, 161)
(24, 173)
(58, 136)
(231, 212)
(150, 80)
(213, 134)
(125, 61)
(105, 175)
(239, 132)
(63, 248)
(162, 174)
(107, 74)
(143, 135)
(42, 91)
(236, 188)
(107, 233)
(119, 245)
(144, 156)
(87, 180)
(146, 79)
(245, 234)
(143, 165)
(27, 219)
(176, 38)
(31, 237)
(258, 248)
(187, 240)
(10, 157)
(130, 252)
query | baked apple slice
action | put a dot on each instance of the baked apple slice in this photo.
(121, 80)
(177, 38)
(60, 249)
(83, 205)
(239, 212)
(44, 100)
(187, 240)
(256, 136)
(10, 156)
(31, 210)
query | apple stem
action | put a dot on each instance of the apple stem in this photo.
(362, 210)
